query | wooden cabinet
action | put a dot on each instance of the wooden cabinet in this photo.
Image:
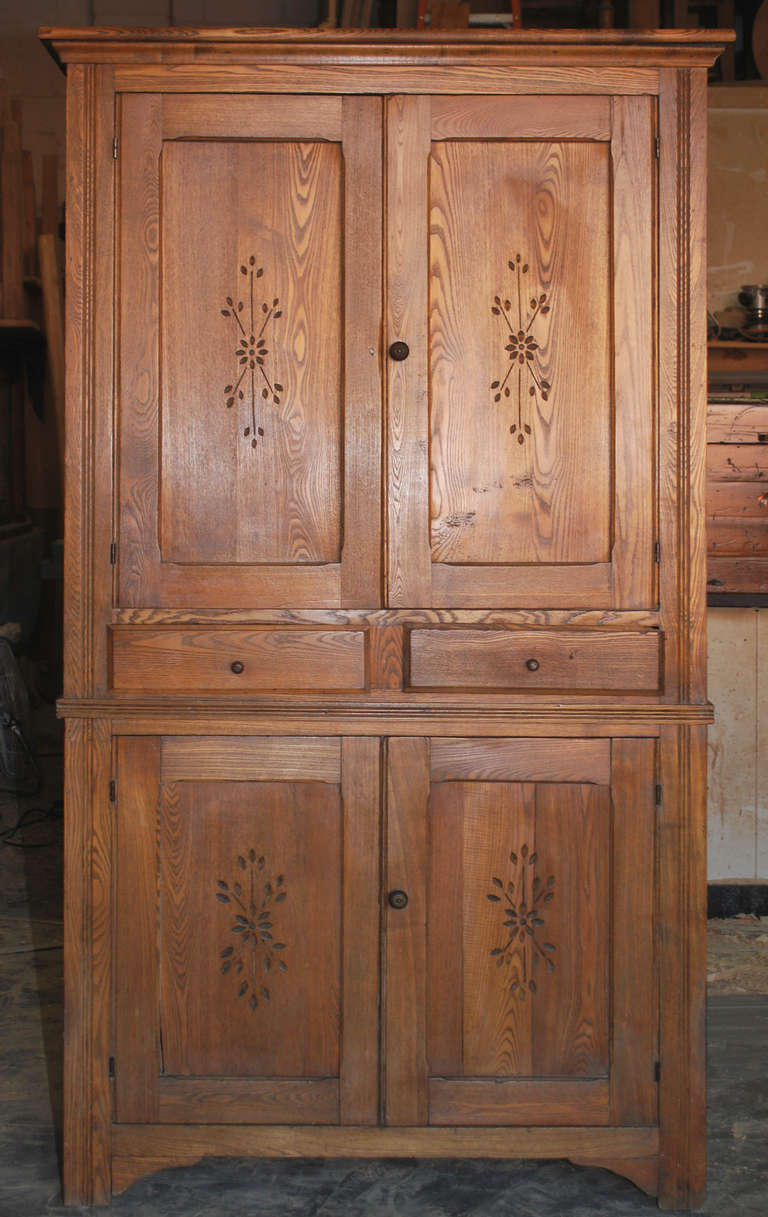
(385, 582)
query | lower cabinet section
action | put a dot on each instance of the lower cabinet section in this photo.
(409, 932)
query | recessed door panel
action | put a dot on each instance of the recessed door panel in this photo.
(519, 333)
(251, 352)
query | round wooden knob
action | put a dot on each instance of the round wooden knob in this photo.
(237, 667)
(399, 351)
(532, 665)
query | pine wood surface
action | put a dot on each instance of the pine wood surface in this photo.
(363, 746)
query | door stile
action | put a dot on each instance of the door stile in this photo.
(361, 799)
(361, 560)
(634, 1014)
(408, 133)
(406, 1094)
(634, 395)
(137, 965)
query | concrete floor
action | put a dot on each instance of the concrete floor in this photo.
(30, 1068)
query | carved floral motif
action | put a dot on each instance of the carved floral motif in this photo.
(252, 352)
(255, 955)
(523, 899)
(521, 347)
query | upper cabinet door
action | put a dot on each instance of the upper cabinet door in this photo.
(249, 397)
(521, 266)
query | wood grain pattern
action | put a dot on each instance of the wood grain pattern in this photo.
(87, 1106)
(494, 499)
(504, 760)
(634, 517)
(408, 578)
(634, 1090)
(144, 659)
(279, 502)
(195, 116)
(243, 759)
(386, 657)
(137, 965)
(498, 659)
(468, 1102)
(540, 118)
(278, 1017)
(361, 913)
(681, 836)
(361, 564)
(249, 1101)
(405, 944)
(581, 619)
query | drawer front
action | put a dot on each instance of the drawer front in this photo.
(236, 660)
(534, 659)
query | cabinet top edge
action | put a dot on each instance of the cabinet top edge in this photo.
(70, 44)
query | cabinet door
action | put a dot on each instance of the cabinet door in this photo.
(521, 264)
(247, 928)
(249, 312)
(520, 982)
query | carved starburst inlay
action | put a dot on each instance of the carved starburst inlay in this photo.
(255, 381)
(522, 348)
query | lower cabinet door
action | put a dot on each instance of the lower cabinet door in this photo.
(519, 962)
(247, 925)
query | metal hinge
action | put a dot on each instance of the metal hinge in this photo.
(112, 791)
(658, 794)
(657, 551)
(657, 147)
(114, 149)
(657, 1071)
(113, 552)
(111, 1067)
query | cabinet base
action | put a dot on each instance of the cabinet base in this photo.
(142, 1150)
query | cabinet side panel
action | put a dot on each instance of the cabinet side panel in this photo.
(682, 967)
(87, 933)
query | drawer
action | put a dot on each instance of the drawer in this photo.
(236, 660)
(564, 660)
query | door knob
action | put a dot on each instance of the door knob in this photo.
(398, 899)
(399, 351)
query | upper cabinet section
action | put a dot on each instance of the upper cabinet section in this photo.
(521, 255)
(249, 397)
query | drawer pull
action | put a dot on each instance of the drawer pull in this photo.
(399, 351)
(532, 665)
(398, 899)
(237, 667)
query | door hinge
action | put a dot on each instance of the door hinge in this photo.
(112, 791)
(111, 1067)
(112, 552)
(114, 149)
(657, 147)
(657, 1071)
(658, 794)
(657, 551)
